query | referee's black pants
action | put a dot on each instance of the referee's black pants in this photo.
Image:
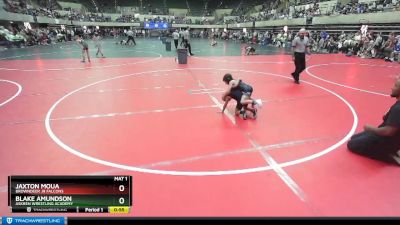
(129, 39)
(188, 46)
(300, 63)
(176, 43)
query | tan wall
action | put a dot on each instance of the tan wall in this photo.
(198, 26)
(240, 25)
(70, 5)
(258, 7)
(27, 18)
(178, 12)
(271, 23)
(284, 22)
(381, 17)
(221, 12)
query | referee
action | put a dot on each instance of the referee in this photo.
(300, 46)
(186, 39)
(130, 35)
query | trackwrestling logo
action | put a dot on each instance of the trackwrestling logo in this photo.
(33, 220)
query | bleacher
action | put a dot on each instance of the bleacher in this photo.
(154, 7)
(127, 6)
(88, 4)
(231, 4)
(337, 29)
(385, 29)
(44, 3)
(107, 6)
(245, 7)
(196, 7)
(337, 23)
(134, 3)
(212, 5)
(237, 9)
(181, 4)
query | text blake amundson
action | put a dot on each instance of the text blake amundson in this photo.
(43, 198)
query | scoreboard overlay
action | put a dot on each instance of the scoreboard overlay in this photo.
(74, 194)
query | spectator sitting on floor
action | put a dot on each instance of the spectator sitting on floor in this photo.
(382, 142)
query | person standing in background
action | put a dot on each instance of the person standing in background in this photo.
(186, 39)
(85, 48)
(300, 46)
(175, 36)
(99, 45)
(130, 35)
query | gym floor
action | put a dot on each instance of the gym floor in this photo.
(138, 112)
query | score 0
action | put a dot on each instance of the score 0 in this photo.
(121, 187)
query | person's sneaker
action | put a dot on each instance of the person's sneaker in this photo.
(243, 114)
(397, 160)
(259, 103)
(83, 61)
(255, 113)
(294, 78)
(297, 81)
